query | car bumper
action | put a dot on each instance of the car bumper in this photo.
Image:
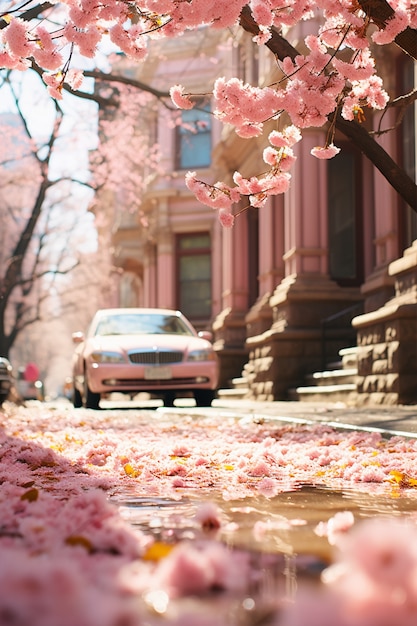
(107, 378)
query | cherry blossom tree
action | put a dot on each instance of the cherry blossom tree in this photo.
(46, 189)
(41, 223)
(330, 84)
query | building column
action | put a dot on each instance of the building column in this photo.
(281, 356)
(229, 326)
(149, 275)
(379, 285)
(271, 264)
(165, 286)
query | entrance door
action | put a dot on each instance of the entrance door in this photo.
(345, 218)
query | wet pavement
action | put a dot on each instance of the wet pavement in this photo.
(389, 420)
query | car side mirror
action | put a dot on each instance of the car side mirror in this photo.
(78, 337)
(205, 334)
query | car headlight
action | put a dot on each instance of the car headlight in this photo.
(107, 357)
(201, 355)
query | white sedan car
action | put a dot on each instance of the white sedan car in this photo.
(137, 349)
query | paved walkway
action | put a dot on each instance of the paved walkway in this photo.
(390, 420)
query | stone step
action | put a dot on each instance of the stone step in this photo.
(232, 394)
(349, 357)
(325, 393)
(239, 383)
(332, 377)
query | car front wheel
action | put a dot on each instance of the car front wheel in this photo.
(92, 400)
(204, 397)
(76, 398)
(168, 398)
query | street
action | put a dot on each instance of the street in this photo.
(216, 516)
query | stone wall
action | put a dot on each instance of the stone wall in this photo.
(387, 341)
(387, 356)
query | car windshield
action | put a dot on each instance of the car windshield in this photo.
(142, 324)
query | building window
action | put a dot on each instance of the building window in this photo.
(193, 140)
(344, 210)
(194, 275)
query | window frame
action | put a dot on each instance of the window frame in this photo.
(192, 252)
(203, 107)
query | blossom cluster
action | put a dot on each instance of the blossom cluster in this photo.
(84, 23)
(279, 156)
(314, 86)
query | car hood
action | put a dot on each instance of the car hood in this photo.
(127, 343)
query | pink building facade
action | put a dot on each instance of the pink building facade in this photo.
(327, 269)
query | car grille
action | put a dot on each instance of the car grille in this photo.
(156, 357)
(120, 383)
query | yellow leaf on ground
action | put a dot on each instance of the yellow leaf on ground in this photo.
(158, 550)
(79, 540)
(31, 495)
(402, 479)
(130, 470)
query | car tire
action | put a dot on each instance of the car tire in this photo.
(76, 398)
(92, 400)
(204, 397)
(169, 398)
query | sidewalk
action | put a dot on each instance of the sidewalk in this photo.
(389, 420)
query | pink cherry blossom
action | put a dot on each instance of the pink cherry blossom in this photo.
(395, 25)
(74, 78)
(54, 84)
(16, 37)
(226, 218)
(218, 196)
(208, 516)
(181, 100)
(316, 82)
(64, 544)
(336, 526)
(287, 137)
(327, 152)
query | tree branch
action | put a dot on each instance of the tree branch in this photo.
(28, 15)
(395, 175)
(380, 12)
(117, 78)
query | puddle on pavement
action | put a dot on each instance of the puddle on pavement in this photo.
(277, 533)
(284, 524)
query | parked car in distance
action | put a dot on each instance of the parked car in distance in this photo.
(28, 389)
(6, 379)
(137, 349)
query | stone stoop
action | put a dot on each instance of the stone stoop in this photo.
(336, 384)
(238, 390)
